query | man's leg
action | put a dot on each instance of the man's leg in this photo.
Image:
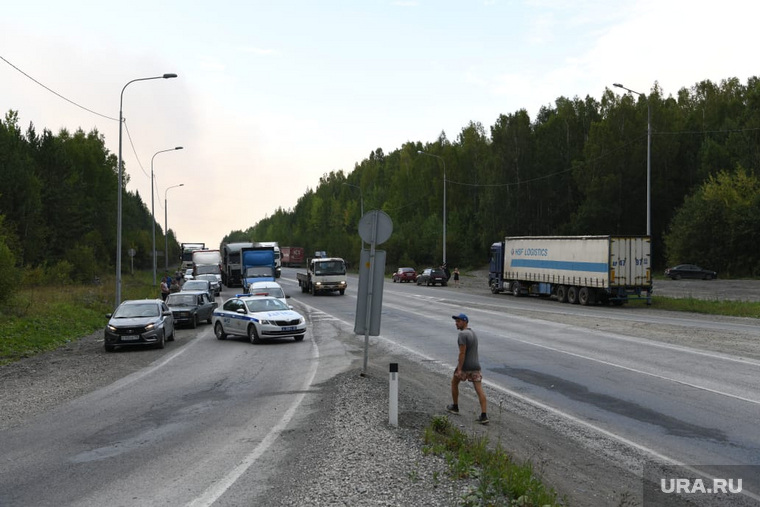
(481, 396)
(455, 390)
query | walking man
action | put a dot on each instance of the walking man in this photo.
(468, 367)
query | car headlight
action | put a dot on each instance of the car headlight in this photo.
(149, 327)
(111, 328)
(267, 322)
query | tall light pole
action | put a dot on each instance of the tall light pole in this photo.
(166, 227)
(118, 197)
(361, 196)
(444, 198)
(649, 156)
(152, 209)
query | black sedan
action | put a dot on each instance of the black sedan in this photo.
(432, 276)
(191, 307)
(690, 271)
(139, 322)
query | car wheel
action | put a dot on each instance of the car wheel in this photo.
(394, 280)
(253, 335)
(170, 338)
(209, 320)
(161, 343)
(219, 331)
(444, 284)
(676, 277)
(298, 338)
(342, 291)
(109, 348)
(419, 282)
(195, 321)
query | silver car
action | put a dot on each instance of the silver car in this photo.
(139, 322)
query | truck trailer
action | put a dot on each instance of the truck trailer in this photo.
(231, 263)
(208, 262)
(292, 256)
(573, 269)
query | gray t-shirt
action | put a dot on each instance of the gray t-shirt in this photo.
(468, 338)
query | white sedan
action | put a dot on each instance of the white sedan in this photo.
(258, 317)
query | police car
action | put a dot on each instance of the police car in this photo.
(257, 318)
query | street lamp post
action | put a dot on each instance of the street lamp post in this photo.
(166, 226)
(444, 198)
(361, 196)
(120, 170)
(152, 209)
(649, 155)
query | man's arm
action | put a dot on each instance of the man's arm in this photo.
(460, 361)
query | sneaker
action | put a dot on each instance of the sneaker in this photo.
(454, 409)
(483, 419)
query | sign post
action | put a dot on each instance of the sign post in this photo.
(375, 227)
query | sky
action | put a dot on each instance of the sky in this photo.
(272, 95)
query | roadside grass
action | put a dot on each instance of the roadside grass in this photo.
(499, 480)
(42, 318)
(710, 307)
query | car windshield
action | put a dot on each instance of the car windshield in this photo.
(265, 305)
(329, 268)
(131, 311)
(259, 272)
(268, 291)
(209, 269)
(210, 278)
(179, 299)
(195, 285)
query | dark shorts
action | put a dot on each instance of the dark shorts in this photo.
(472, 376)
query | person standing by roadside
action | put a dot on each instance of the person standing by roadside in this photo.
(468, 367)
(456, 277)
(164, 288)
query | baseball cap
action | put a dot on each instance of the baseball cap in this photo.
(461, 316)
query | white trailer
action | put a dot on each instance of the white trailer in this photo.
(573, 269)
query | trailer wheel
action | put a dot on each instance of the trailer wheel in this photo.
(586, 296)
(562, 294)
(516, 288)
(572, 295)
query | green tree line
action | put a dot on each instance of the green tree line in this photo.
(58, 208)
(579, 167)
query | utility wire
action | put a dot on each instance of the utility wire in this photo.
(134, 151)
(58, 94)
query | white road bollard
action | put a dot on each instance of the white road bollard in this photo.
(393, 396)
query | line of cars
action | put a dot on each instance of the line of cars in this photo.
(428, 276)
(261, 314)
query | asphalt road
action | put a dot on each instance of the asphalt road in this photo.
(604, 387)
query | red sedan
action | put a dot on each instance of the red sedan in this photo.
(404, 275)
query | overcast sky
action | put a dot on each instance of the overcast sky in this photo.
(272, 95)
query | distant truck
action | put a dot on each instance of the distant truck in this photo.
(291, 256)
(207, 262)
(323, 274)
(186, 259)
(231, 263)
(257, 264)
(573, 269)
(277, 261)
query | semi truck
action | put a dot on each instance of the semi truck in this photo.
(231, 263)
(207, 262)
(257, 264)
(582, 270)
(291, 256)
(186, 259)
(274, 245)
(323, 274)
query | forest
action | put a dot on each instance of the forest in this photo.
(578, 168)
